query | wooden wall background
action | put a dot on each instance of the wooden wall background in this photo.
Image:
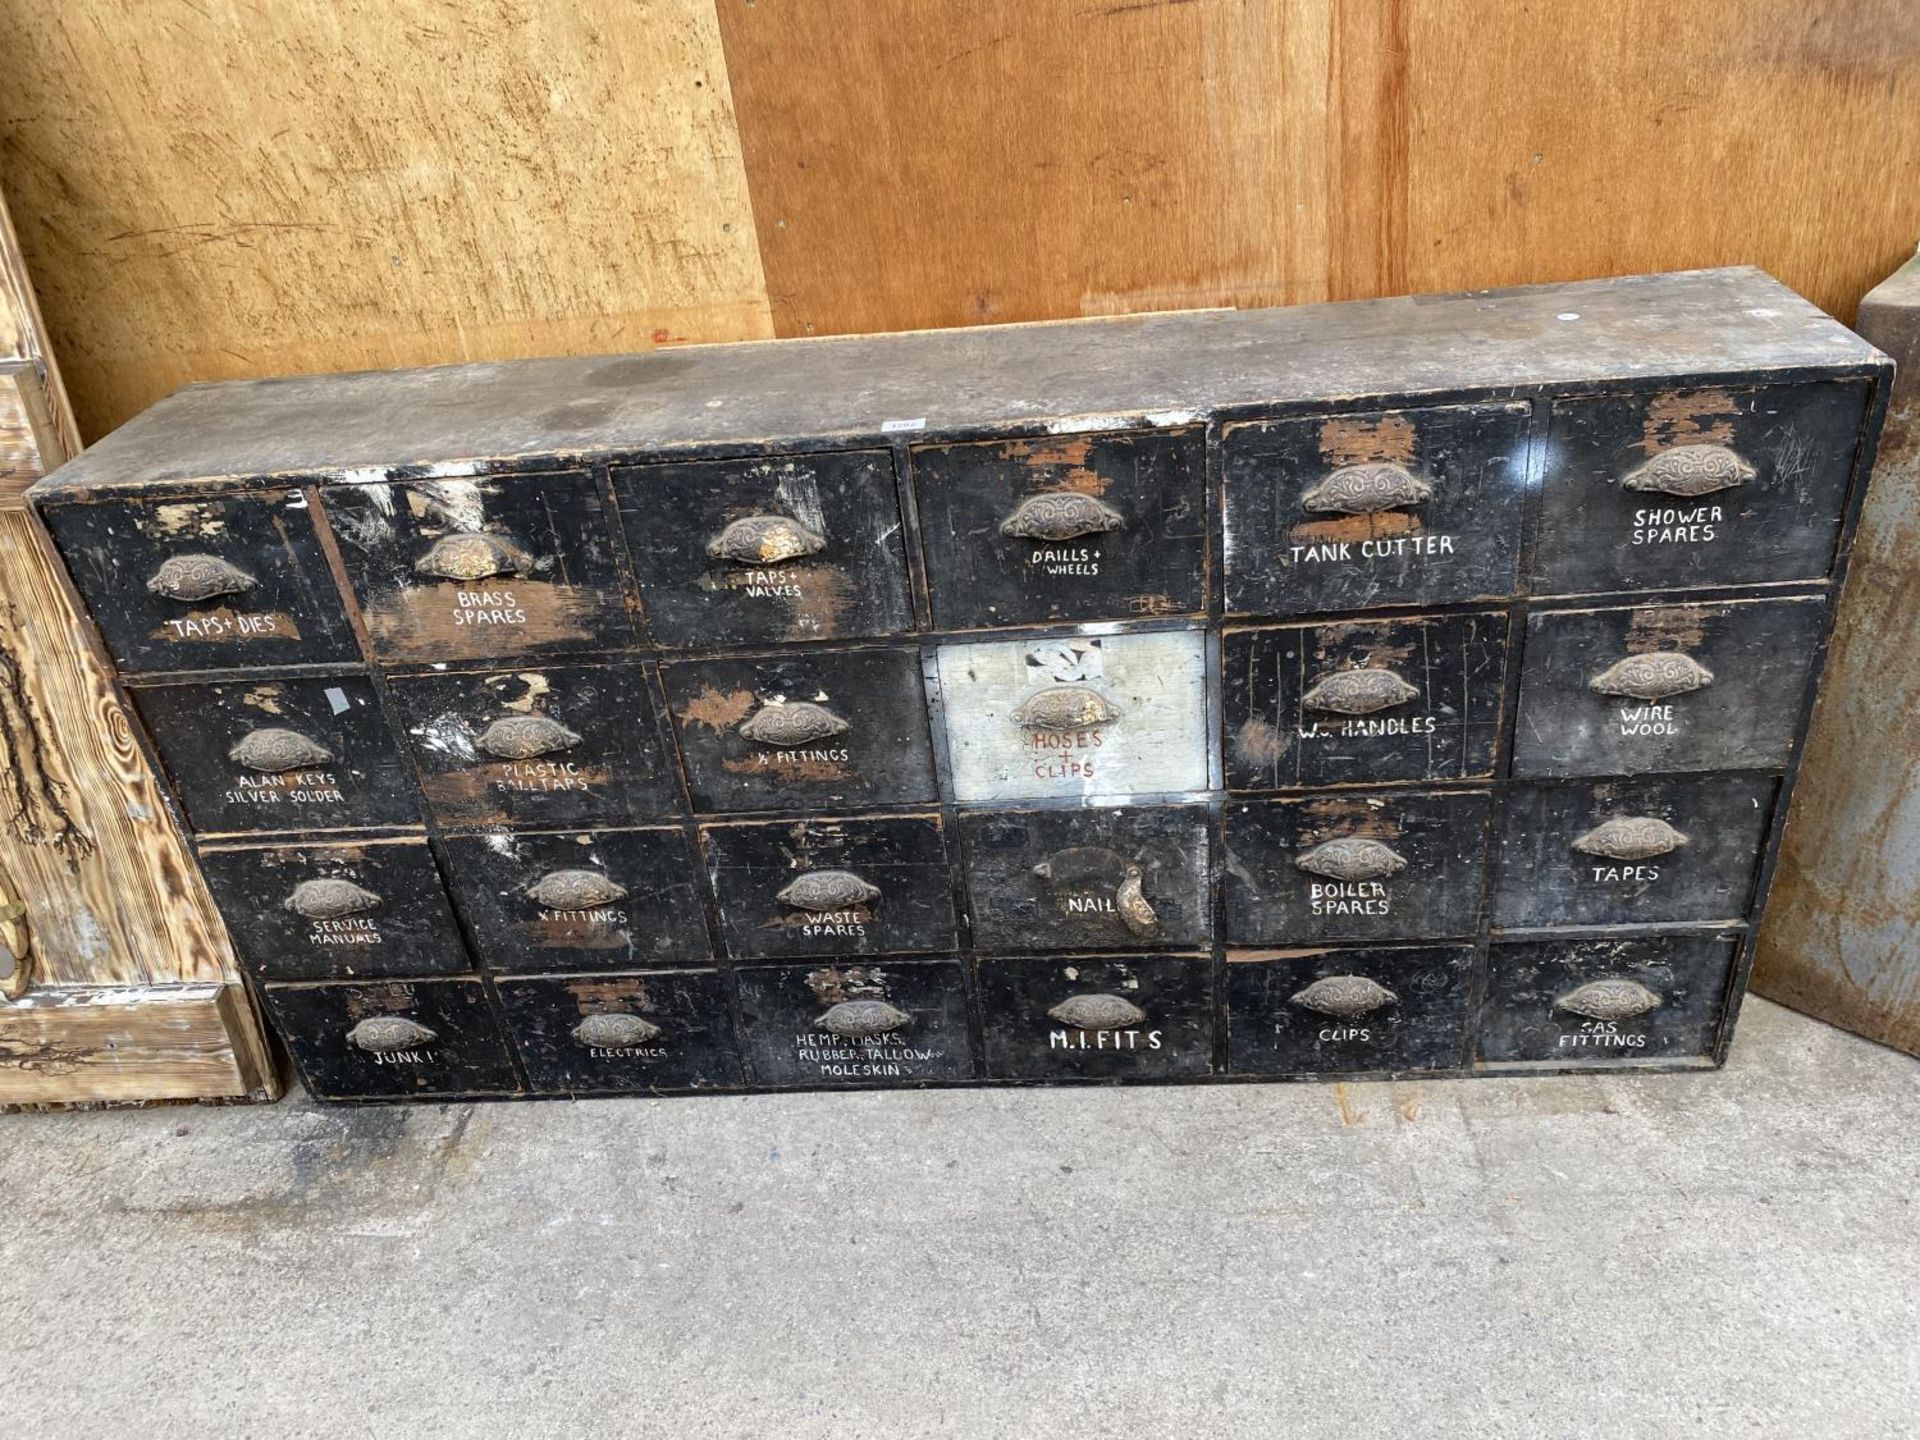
(211, 188)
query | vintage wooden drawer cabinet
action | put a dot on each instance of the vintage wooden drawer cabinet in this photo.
(1398, 688)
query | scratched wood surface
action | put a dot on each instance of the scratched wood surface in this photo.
(223, 189)
(227, 188)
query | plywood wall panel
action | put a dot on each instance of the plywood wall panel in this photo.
(211, 188)
(936, 162)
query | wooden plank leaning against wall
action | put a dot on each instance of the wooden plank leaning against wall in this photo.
(117, 981)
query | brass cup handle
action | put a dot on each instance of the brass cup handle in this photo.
(575, 890)
(330, 898)
(473, 555)
(1063, 708)
(1345, 997)
(524, 737)
(863, 1019)
(1061, 515)
(825, 891)
(384, 1034)
(1359, 692)
(193, 578)
(1612, 998)
(795, 723)
(1351, 858)
(1690, 471)
(275, 750)
(1630, 837)
(1097, 1012)
(1367, 489)
(615, 1030)
(1651, 676)
(765, 540)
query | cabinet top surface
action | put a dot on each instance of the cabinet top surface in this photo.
(1063, 375)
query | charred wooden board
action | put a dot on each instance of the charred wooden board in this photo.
(1374, 865)
(588, 900)
(205, 582)
(1131, 878)
(1394, 507)
(592, 1034)
(1095, 1017)
(1579, 854)
(1075, 716)
(1606, 1000)
(746, 552)
(865, 886)
(1109, 526)
(394, 1040)
(576, 745)
(860, 1023)
(817, 731)
(336, 910)
(1350, 1011)
(1746, 663)
(309, 752)
(479, 568)
(1296, 713)
(1696, 486)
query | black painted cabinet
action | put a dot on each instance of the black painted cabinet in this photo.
(1401, 689)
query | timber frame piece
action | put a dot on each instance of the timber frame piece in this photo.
(117, 980)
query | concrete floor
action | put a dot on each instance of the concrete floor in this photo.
(1730, 1254)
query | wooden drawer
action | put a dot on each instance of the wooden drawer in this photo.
(889, 1023)
(1665, 688)
(294, 753)
(1348, 1012)
(1072, 527)
(1129, 878)
(1089, 1017)
(821, 731)
(1364, 701)
(751, 552)
(1357, 511)
(1076, 716)
(336, 910)
(474, 569)
(220, 582)
(1603, 1001)
(582, 1034)
(394, 1040)
(791, 888)
(1379, 865)
(1688, 488)
(1631, 852)
(563, 745)
(580, 900)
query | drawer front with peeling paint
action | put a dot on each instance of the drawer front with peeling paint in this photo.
(1076, 716)
(819, 731)
(1661, 688)
(224, 582)
(1606, 1000)
(1108, 878)
(885, 1023)
(1388, 1009)
(1392, 507)
(754, 552)
(1701, 486)
(1666, 850)
(598, 1034)
(542, 902)
(336, 910)
(1373, 865)
(577, 745)
(474, 569)
(309, 752)
(1098, 1017)
(394, 1040)
(832, 887)
(1364, 702)
(1110, 526)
